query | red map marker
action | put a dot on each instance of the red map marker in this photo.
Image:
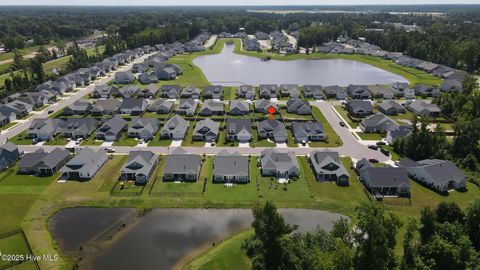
(271, 110)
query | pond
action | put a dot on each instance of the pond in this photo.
(161, 238)
(230, 69)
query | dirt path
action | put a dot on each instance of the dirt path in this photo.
(26, 56)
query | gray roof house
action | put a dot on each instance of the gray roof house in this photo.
(43, 163)
(106, 106)
(139, 167)
(239, 107)
(268, 91)
(166, 73)
(146, 78)
(161, 106)
(133, 106)
(212, 107)
(427, 90)
(75, 128)
(327, 166)
(281, 165)
(182, 166)
(239, 130)
(44, 128)
(304, 132)
(149, 91)
(246, 91)
(358, 92)
(451, 85)
(191, 92)
(124, 77)
(359, 108)
(390, 107)
(388, 181)
(313, 91)
(335, 91)
(111, 130)
(378, 123)
(187, 107)
(128, 91)
(79, 107)
(299, 106)
(85, 164)
(230, 167)
(104, 91)
(175, 128)
(143, 128)
(170, 91)
(262, 105)
(9, 154)
(272, 129)
(289, 90)
(440, 175)
(420, 107)
(213, 91)
(206, 130)
(379, 91)
(400, 133)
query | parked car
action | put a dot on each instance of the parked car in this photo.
(374, 147)
(373, 160)
(110, 150)
(35, 141)
(385, 152)
(381, 143)
(342, 124)
(50, 111)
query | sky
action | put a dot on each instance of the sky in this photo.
(230, 2)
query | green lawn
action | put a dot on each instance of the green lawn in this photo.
(13, 183)
(20, 139)
(290, 139)
(229, 93)
(188, 141)
(9, 125)
(13, 244)
(124, 140)
(333, 140)
(287, 115)
(127, 188)
(256, 142)
(370, 136)
(57, 140)
(91, 141)
(226, 255)
(341, 110)
(222, 140)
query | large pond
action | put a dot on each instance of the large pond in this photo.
(228, 68)
(161, 238)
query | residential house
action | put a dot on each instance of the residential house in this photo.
(239, 107)
(139, 167)
(379, 91)
(385, 181)
(9, 154)
(79, 107)
(75, 128)
(112, 129)
(358, 92)
(106, 106)
(230, 167)
(426, 90)
(440, 175)
(206, 130)
(451, 85)
(420, 107)
(273, 130)
(133, 106)
(161, 106)
(299, 106)
(246, 91)
(146, 78)
(289, 90)
(336, 92)
(187, 107)
(6, 118)
(359, 108)
(212, 107)
(304, 132)
(165, 73)
(182, 166)
(268, 91)
(262, 105)
(150, 91)
(43, 163)
(85, 164)
(170, 91)
(213, 91)
(143, 128)
(124, 77)
(128, 91)
(175, 128)
(327, 166)
(251, 44)
(313, 91)
(401, 132)
(281, 165)
(239, 130)
(44, 128)
(378, 123)
(390, 107)
(104, 91)
(191, 92)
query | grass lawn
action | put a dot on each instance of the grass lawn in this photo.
(13, 183)
(229, 93)
(9, 125)
(290, 139)
(341, 110)
(124, 140)
(222, 140)
(159, 142)
(128, 188)
(20, 139)
(256, 142)
(226, 255)
(57, 140)
(287, 115)
(188, 139)
(14, 207)
(402, 118)
(370, 136)
(155, 115)
(13, 244)
(333, 140)
(91, 141)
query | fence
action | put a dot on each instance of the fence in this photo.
(27, 244)
(114, 192)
